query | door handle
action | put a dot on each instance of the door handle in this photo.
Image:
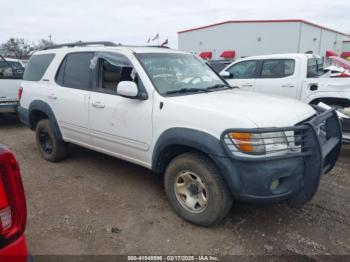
(53, 96)
(288, 85)
(247, 85)
(98, 104)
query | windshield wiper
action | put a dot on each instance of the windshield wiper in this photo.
(218, 86)
(187, 90)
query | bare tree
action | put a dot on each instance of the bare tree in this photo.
(43, 43)
(17, 48)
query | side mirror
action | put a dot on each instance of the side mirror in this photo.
(127, 89)
(226, 74)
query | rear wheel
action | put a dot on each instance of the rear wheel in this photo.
(51, 147)
(196, 190)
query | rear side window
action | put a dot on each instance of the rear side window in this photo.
(37, 67)
(314, 67)
(75, 71)
(277, 68)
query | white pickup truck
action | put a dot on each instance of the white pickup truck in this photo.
(11, 74)
(299, 76)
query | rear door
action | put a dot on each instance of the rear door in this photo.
(243, 74)
(278, 76)
(70, 96)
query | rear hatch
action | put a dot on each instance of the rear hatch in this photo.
(9, 90)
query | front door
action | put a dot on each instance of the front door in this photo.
(242, 74)
(119, 126)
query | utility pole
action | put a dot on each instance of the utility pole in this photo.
(50, 38)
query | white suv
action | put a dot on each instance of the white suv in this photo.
(169, 112)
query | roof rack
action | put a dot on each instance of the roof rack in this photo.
(104, 43)
(80, 43)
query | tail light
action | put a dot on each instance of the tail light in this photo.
(13, 210)
(20, 92)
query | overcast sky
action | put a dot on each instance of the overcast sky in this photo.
(133, 22)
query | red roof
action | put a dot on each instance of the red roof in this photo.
(262, 21)
(345, 54)
(206, 55)
(331, 53)
(228, 54)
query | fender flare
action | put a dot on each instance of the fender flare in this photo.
(192, 138)
(46, 109)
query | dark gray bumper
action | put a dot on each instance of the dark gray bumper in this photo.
(298, 173)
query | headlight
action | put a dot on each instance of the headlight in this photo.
(257, 143)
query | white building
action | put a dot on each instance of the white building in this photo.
(346, 49)
(257, 37)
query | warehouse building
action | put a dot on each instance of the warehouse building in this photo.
(346, 49)
(236, 39)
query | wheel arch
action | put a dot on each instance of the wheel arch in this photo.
(39, 110)
(175, 141)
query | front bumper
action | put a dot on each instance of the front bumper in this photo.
(298, 173)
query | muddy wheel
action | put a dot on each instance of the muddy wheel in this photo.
(51, 147)
(196, 189)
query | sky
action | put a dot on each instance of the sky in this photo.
(133, 22)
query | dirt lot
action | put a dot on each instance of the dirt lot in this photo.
(94, 204)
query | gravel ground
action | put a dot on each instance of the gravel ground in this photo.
(95, 204)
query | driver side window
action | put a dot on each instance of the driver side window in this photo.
(113, 71)
(242, 70)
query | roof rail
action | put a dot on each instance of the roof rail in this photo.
(80, 43)
(151, 46)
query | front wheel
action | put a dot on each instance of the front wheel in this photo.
(196, 189)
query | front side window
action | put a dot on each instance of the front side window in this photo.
(174, 73)
(75, 71)
(243, 70)
(37, 66)
(277, 68)
(113, 69)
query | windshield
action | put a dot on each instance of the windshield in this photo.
(175, 73)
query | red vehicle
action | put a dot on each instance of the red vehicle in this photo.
(13, 211)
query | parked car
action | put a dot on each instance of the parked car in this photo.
(336, 71)
(168, 111)
(11, 73)
(13, 212)
(293, 75)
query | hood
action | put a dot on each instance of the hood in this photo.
(263, 110)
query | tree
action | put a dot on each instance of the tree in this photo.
(43, 43)
(17, 48)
